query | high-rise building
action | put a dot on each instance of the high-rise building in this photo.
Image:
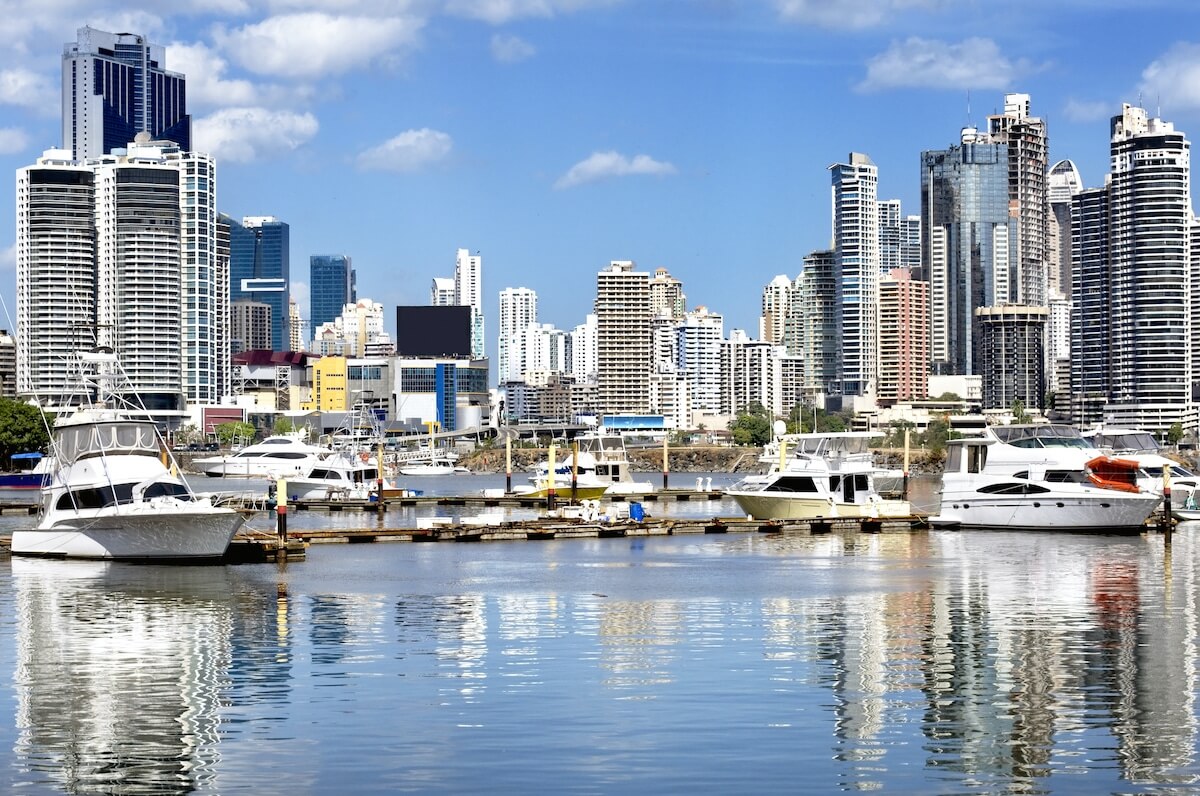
(1011, 355)
(331, 287)
(857, 271)
(1132, 246)
(1062, 183)
(1027, 149)
(249, 326)
(818, 324)
(966, 239)
(698, 347)
(518, 309)
(296, 327)
(584, 361)
(114, 86)
(623, 338)
(468, 292)
(666, 295)
(8, 365)
(903, 338)
(441, 292)
(776, 298)
(260, 269)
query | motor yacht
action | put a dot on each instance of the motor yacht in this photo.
(1139, 446)
(1039, 477)
(278, 456)
(115, 491)
(819, 476)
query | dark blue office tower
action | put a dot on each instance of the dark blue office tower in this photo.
(259, 270)
(115, 85)
(331, 287)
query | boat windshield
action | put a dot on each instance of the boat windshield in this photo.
(1126, 441)
(1045, 436)
(94, 439)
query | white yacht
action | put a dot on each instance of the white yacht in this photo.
(602, 460)
(278, 456)
(819, 476)
(115, 493)
(1039, 477)
(343, 475)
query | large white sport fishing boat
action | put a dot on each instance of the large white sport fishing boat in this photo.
(1042, 478)
(819, 476)
(115, 492)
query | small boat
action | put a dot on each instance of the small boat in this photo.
(1042, 478)
(584, 489)
(1140, 447)
(1185, 502)
(115, 491)
(819, 476)
(278, 456)
(601, 459)
(442, 465)
(32, 477)
(342, 475)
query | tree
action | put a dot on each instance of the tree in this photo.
(228, 432)
(936, 434)
(283, 425)
(752, 427)
(1019, 414)
(1175, 433)
(24, 428)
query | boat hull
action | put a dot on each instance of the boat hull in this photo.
(565, 493)
(28, 480)
(133, 535)
(767, 506)
(1100, 513)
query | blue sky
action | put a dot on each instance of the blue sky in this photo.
(556, 135)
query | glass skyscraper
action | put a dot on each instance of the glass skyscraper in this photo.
(259, 269)
(114, 86)
(331, 287)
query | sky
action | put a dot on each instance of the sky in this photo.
(553, 136)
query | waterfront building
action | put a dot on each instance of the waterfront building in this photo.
(1025, 139)
(698, 345)
(543, 398)
(856, 273)
(1132, 292)
(250, 326)
(1058, 351)
(670, 396)
(358, 326)
(1062, 183)
(664, 344)
(1011, 355)
(817, 313)
(899, 238)
(331, 286)
(518, 309)
(468, 292)
(966, 239)
(453, 392)
(8, 365)
(114, 86)
(441, 292)
(260, 270)
(666, 295)
(623, 338)
(543, 348)
(584, 359)
(903, 339)
(751, 374)
(776, 300)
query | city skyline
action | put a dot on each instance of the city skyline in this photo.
(556, 137)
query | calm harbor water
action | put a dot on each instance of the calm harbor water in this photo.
(918, 663)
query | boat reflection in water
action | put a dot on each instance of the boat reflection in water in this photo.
(121, 673)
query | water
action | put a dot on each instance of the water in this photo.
(925, 662)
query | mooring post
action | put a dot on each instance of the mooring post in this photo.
(904, 484)
(666, 462)
(380, 506)
(507, 463)
(281, 511)
(574, 471)
(550, 479)
(1167, 519)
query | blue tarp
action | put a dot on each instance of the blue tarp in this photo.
(27, 456)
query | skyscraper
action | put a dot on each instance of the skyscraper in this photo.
(331, 287)
(468, 292)
(903, 337)
(259, 269)
(666, 295)
(857, 271)
(518, 309)
(114, 86)
(623, 338)
(1062, 183)
(1132, 291)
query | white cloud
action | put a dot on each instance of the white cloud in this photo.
(1083, 111)
(511, 49)
(8, 258)
(12, 140)
(929, 63)
(409, 151)
(29, 89)
(602, 165)
(204, 70)
(498, 12)
(240, 135)
(316, 45)
(1174, 78)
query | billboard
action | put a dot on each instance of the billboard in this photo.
(429, 331)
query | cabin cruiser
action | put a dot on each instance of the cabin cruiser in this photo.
(1139, 446)
(818, 476)
(115, 493)
(598, 458)
(342, 475)
(1039, 477)
(278, 456)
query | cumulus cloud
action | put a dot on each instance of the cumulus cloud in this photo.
(205, 82)
(315, 44)
(1083, 111)
(409, 151)
(602, 165)
(12, 140)
(29, 89)
(1174, 78)
(929, 63)
(511, 49)
(240, 135)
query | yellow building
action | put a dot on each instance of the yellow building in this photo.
(328, 380)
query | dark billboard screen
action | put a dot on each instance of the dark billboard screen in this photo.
(433, 331)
